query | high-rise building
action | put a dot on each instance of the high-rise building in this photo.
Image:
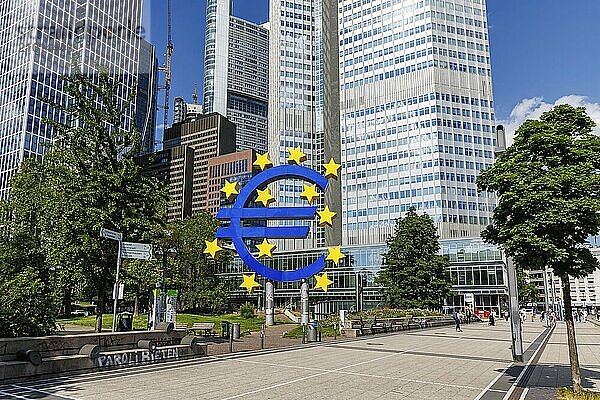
(146, 96)
(210, 136)
(418, 126)
(234, 167)
(41, 41)
(236, 71)
(174, 167)
(304, 103)
(417, 115)
(186, 112)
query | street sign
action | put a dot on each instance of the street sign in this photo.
(138, 251)
(136, 247)
(118, 291)
(112, 235)
(137, 255)
(469, 298)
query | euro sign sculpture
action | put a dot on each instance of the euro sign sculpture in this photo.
(241, 211)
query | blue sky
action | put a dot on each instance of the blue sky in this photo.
(542, 50)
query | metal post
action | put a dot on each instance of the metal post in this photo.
(269, 304)
(116, 288)
(515, 318)
(335, 331)
(262, 337)
(304, 303)
(303, 334)
(546, 296)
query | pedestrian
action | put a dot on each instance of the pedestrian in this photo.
(542, 316)
(456, 317)
(492, 321)
(469, 315)
(506, 315)
(585, 316)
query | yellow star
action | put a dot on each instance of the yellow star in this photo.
(323, 282)
(264, 197)
(335, 254)
(213, 248)
(332, 169)
(231, 189)
(250, 282)
(296, 156)
(262, 161)
(265, 249)
(326, 217)
(309, 193)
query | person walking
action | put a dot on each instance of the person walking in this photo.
(492, 321)
(506, 314)
(456, 317)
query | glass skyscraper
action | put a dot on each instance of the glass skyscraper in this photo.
(236, 77)
(417, 115)
(45, 39)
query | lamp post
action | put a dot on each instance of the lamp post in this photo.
(513, 292)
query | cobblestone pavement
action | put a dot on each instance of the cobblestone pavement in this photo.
(429, 364)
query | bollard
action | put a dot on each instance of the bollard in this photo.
(303, 334)
(262, 337)
(334, 331)
(231, 340)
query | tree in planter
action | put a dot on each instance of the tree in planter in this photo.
(548, 183)
(93, 167)
(414, 274)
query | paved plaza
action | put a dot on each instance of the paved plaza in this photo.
(429, 364)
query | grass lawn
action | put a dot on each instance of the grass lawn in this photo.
(568, 394)
(139, 322)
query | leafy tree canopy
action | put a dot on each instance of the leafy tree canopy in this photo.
(414, 274)
(548, 185)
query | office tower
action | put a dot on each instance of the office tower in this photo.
(417, 115)
(304, 103)
(41, 41)
(234, 167)
(236, 82)
(210, 136)
(185, 112)
(417, 123)
(174, 167)
(146, 97)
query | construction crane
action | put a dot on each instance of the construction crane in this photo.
(167, 67)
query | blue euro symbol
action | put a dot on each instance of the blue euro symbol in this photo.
(240, 211)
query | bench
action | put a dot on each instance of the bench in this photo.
(204, 328)
(378, 326)
(181, 327)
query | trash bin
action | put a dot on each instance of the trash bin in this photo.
(313, 329)
(236, 331)
(124, 322)
(225, 329)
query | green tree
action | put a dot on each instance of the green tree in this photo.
(414, 274)
(549, 201)
(28, 302)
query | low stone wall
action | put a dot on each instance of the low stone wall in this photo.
(26, 358)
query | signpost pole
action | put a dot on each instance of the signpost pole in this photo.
(269, 304)
(116, 289)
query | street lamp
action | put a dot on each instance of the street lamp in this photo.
(513, 292)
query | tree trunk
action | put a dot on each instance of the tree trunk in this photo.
(573, 355)
(99, 311)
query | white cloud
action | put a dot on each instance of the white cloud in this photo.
(534, 108)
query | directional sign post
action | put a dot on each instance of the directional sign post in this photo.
(112, 235)
(138, 251)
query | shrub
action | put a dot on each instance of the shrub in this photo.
(247, 311)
